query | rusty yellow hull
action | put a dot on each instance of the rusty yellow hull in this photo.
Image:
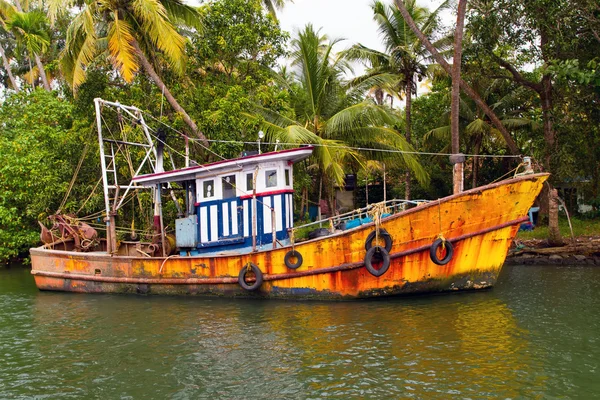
(480, 223)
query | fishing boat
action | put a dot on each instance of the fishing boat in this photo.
(235, 233)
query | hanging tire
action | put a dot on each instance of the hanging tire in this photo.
(383, 255)
(434, 248)
(288, 257)
(382, 234)
(242, 278)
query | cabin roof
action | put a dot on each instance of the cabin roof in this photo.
(223, 167)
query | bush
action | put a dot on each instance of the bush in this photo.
(39, 150)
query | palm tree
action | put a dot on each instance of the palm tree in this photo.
(272, 5)
(405, 60)
(31, 32)
(325, 115)
(38, 60)
(478, 132)
(134, 33)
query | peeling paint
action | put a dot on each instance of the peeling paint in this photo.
(476, 222)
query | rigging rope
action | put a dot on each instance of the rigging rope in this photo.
(74, 178)
(361, 148)
(198, 142)
(151, 131)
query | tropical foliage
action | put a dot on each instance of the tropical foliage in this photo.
(36, 164)
(326, 115)
(405, 62)
(530, 79)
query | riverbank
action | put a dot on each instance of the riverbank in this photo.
(583, 250)
(531, 247)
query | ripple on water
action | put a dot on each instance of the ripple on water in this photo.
(535, 335)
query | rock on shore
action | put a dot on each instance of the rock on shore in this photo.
(580, 251)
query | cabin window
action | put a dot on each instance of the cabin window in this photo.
(287, 177)
(228, 186)
(249, 181)
(271, 178)
(209, 189)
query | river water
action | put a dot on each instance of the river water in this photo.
(535, 335)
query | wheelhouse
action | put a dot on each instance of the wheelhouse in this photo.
(239, 204)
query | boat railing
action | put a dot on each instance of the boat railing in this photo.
(364, 214)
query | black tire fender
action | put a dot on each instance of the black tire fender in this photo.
(434, 248)
(257, 273)
(377, 251)
(293, 254)
(383, 234)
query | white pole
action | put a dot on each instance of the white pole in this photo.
(110, 241)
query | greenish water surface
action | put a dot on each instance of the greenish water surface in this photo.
(535, 335)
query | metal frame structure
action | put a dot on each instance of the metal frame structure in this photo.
(111, 167)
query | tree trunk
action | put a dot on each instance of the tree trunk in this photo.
(512, 146)
(6, 65)
(455, 105)
(379, 96)
(42, 73)
(408, 134)
(554, 237)
(545, 92)
(158, 81)
(548, 120)
(31, 72)
(549, 147)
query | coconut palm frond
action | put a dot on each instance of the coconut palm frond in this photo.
(512, 100)
(364, 114)
(160, 30)
(332, 156)
(441, 134)
(6, 11)
(279, 127)
(119, 46)
(272, 6)
(443, 44)
(432, 21)
(477, 126)
(273, 117)
(494, 136)
(306, 56)
(294, 134)
(179, 11)
(387, 30)
(515, 123)
(372, 140)
(385, 81)
(358, 52)
(30, 31)
(466, 111)
(80, 48)
(58, 7)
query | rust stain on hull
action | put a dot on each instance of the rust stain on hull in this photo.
(480, 223)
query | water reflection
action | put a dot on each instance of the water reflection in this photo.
(506, 343)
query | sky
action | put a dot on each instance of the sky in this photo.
(348, 19)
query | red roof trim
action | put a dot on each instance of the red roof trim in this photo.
(204, 166)
(271, 193)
